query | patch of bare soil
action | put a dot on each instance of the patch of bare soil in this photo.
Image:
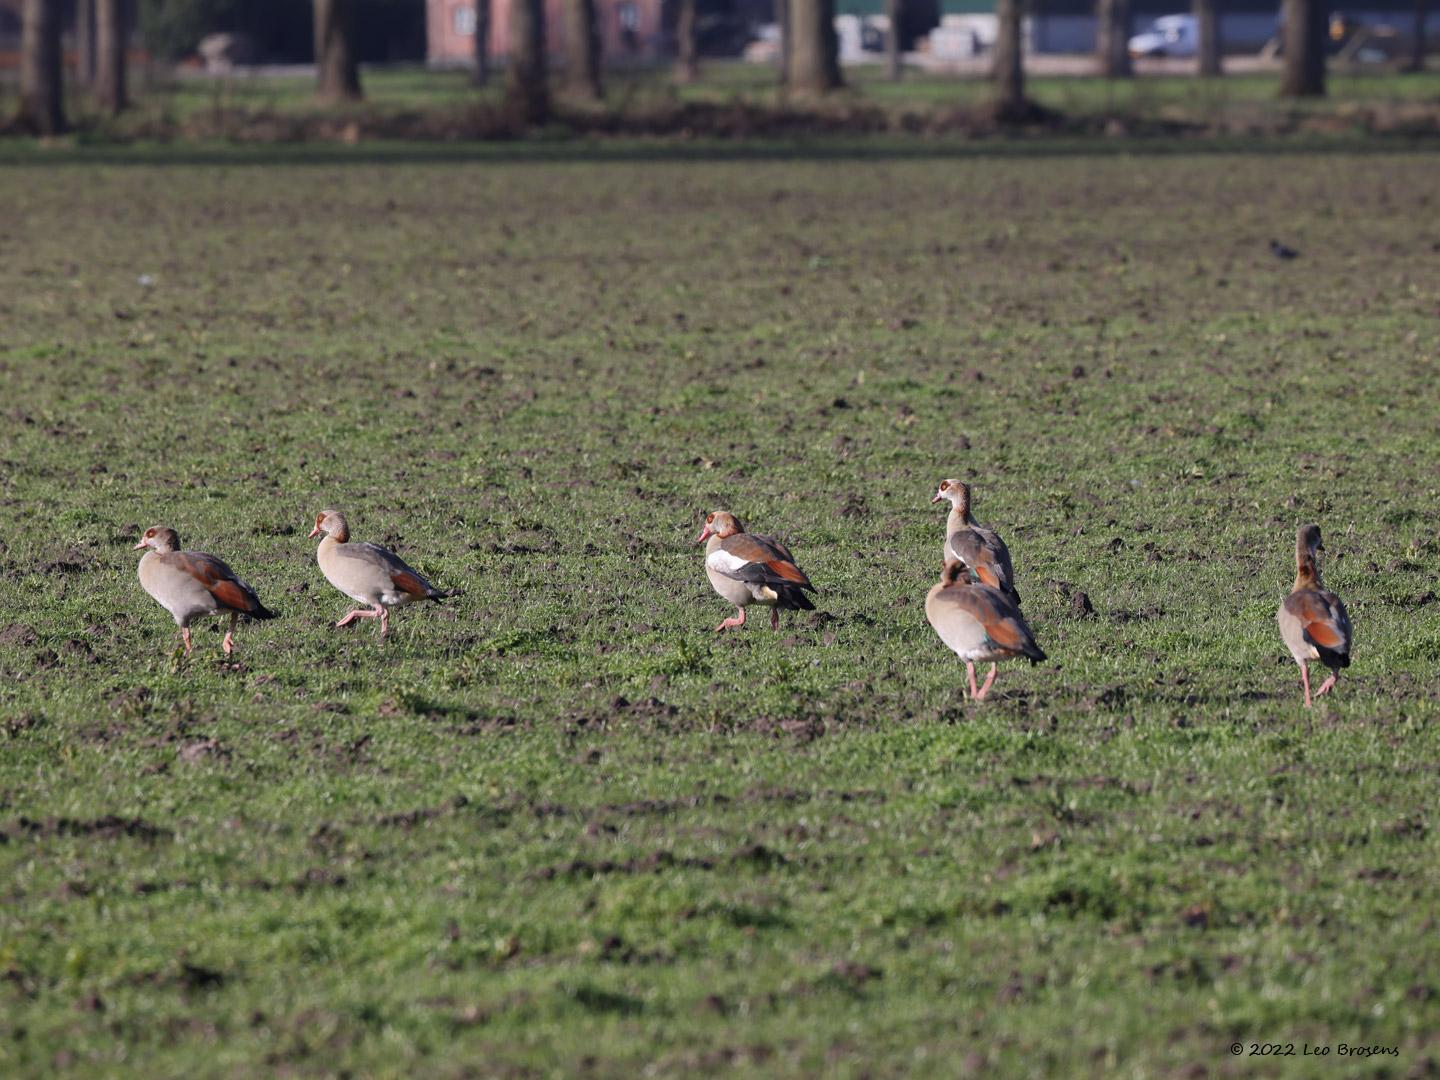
(754, 855)
(109, 827)
(18, 634)
(70, 561)
(648, 864)
(408, 819)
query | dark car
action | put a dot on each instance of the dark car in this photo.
(722, 35)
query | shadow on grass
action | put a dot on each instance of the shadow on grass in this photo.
(885, 148)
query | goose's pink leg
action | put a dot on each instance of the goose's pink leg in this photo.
(384, 622)
(970, 670)
(734, 620)
(1328, 683)
(989, 679)
(361, 613)
(774, 618)
(1305, 682)
(185, 637)
(228, 645)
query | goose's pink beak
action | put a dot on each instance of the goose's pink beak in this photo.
(314, 533)
(938, 498)
(141, 544)
(704, 535)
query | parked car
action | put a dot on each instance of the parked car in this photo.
(1169, 35)
(722, 35)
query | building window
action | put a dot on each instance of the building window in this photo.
(465, 20)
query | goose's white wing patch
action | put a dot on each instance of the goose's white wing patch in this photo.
(723, 562)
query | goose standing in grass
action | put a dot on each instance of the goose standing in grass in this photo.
(191, 584)
(1313, 621)
(980, 623)
(367, 573)
(979, 548)
(748, 569)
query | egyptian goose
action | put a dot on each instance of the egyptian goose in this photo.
(979, 622)
(190, 584)
(1313, 621)
(748, 569)
(368, 574)
(980, 549)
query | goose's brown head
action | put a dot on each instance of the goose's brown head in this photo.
(721, 524)
(159, 539)
(956, 492)
(331, 523)
(954, 573)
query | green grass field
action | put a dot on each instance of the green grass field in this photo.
(557, 827)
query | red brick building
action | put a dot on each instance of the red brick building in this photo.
(629, 29)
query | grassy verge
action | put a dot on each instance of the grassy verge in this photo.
(742, 101)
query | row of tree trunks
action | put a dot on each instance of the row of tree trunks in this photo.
(808, 62)
(527, 90)
(809, 49)
(100, 61)
(1305, 24)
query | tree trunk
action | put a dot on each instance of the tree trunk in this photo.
(336, 64)
(42, 110)
(814, 50)
(110, 40)
(687, 55)
(85, 42)
(894, 59)
(1009, 64)
(582, 51)
(1112, 33)
(1304, 36)
(782, 21)
(1207, 30)
(527, 92)
(481, 75)
(1417, 38)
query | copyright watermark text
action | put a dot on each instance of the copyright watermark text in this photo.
(1290, 1049)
